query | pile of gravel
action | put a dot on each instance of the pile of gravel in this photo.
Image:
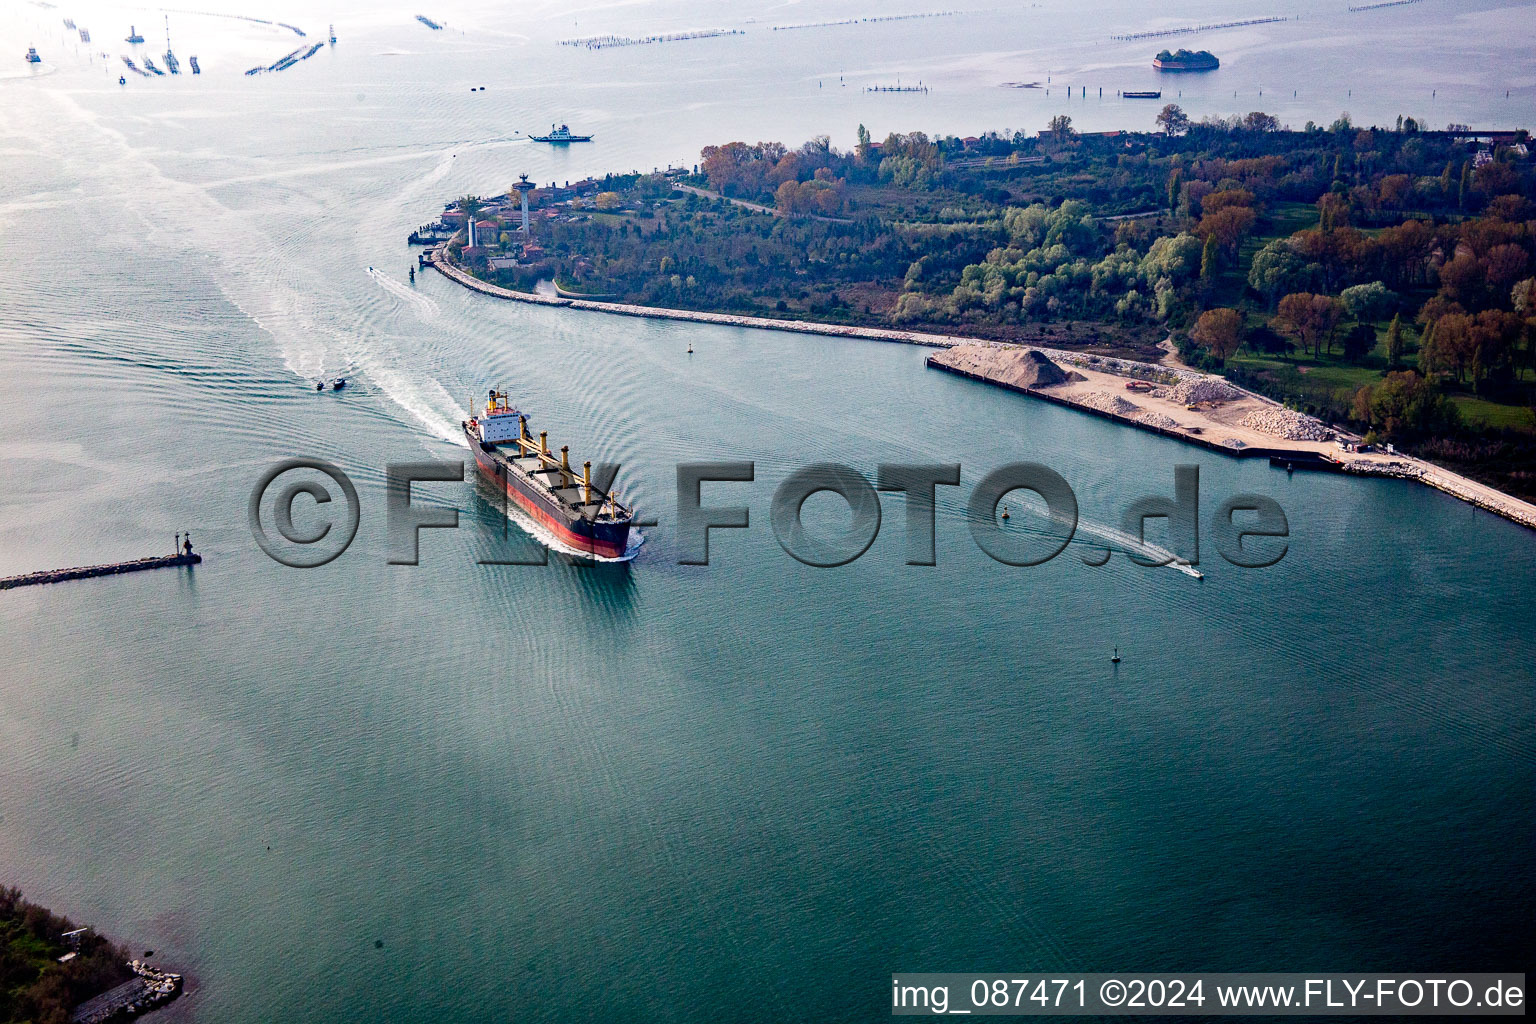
(1157, 419)
(1232, 442)
(1287, 423)
(1106, 402)
(1207, 390)
(1023, 368)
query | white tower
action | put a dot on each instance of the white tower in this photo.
(524, 186)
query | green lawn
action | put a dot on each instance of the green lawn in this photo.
(1479, 412)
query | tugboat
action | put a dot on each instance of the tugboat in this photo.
(545, 487)
(560, 135)
(32, 57)
(193, 61)
(133, 35)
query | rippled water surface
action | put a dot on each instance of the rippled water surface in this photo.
(747, 791)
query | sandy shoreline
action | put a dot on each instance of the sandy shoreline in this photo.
(1214, 426)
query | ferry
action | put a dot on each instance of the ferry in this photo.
(559, 135)
(581, 517)
(32, 57)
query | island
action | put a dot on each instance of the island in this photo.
(53, 971)
(1372, 289)
(1186, 60)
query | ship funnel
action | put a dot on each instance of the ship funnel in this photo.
(586, 482)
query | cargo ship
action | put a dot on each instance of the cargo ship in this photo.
(579, 515)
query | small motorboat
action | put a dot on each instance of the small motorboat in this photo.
(319, 385)
(338, 383)
(121, 80)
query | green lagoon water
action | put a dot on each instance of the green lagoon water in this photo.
(746, 791)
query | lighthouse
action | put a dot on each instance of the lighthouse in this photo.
(524, 186)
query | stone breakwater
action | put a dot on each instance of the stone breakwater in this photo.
(1172, 381)
(151, 989)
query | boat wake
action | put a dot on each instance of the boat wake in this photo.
(1119, 540)
(420, 304)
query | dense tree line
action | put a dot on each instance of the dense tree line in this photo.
(1417, 255)
(34, 986)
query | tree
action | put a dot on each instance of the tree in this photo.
(1220, 331)
(1359, 342)
(1258, 121)
(607, 201)
(1173, 119)
(1061, 129)
(1275, 268)
(1309, 318)
(1404, 405)
(1395, 342)
(1368, 301)
(1209, 260)
(1227, 226)
(1175, 186)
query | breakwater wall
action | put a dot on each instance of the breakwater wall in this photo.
(88, 571)
(1190, 29)
(152, 989)
(603, 42)
(867, 21)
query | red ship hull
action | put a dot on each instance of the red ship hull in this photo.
(606, 540)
